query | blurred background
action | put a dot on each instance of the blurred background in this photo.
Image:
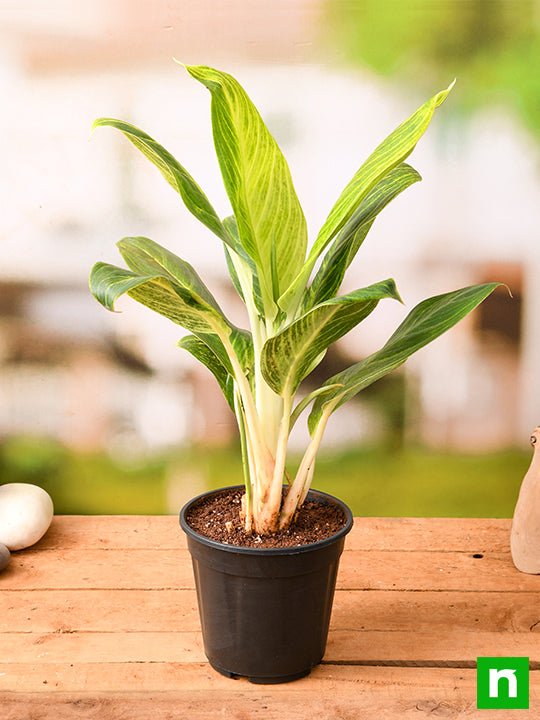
(103, 410)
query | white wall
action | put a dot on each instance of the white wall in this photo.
(69, 196)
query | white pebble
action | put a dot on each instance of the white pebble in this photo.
(26, 511)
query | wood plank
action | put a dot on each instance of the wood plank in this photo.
(163, 532)
(102, 648)
(118, 531)
(393, 704)
(115, 596)
(74, 568)
(42, 611)
(432, 647)
(167, 691)
(474, 535)
(350, 646)
(171, 569)
(436, 611)
(49, 611)
(166, 676)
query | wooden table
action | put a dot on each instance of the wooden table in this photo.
(100, 620)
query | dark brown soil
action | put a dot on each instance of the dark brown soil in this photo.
(218, 517)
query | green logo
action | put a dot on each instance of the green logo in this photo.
(502, 682)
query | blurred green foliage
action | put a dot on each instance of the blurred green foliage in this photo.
(491, 46)
(409, 482)
(82, 483)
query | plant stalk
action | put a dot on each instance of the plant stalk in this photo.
(252, 420)
(268, 521)
(246, 463)
(300, 486)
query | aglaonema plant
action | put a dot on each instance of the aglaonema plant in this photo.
(295, 312)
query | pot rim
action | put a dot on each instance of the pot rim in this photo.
(270, 552)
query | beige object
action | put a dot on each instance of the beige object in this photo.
(26, 512)
(525, 534)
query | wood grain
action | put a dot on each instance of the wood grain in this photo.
(100, 620)
(344, 646)
(163, 532)
(171, 569)
(49, 611)
(164, 690)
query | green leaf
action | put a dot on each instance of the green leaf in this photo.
(302, 405)
(175, 174)
(242, 344)
(108, 283)
(287, 357)
(169, 285)
(242, 257)
(232, 228)
(215, 345)
(233, 274)
(146, 257)
(329, 277)
(271, 224)
(202, 352)
(158, 290)
(426, 322)
(388, 155)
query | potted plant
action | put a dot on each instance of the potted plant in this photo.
(265, 555)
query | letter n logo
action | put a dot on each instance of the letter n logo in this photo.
(502, 682)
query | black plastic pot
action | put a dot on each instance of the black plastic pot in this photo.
(265, 612)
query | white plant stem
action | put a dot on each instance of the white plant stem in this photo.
(307, 483)
(270, 413)
(253, 426)
(247, 463)
(265, 398)
(266, 421)
(300, 486)
(269, 517)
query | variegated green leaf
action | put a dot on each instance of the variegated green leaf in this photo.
(242, 345)
(288, 356)
(388, 155)
(232, 228)
(309, 398)
(426, 322)
(146, 257)
(108, 283)
(329, 277)
(174, 173)
(271, 224)
(200, 350)
(157, 292)
(317, 360)
(233, 274)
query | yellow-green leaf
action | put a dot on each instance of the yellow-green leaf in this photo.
(271, 224)
(426, 322)
(388, 155)
(201, 352)
(174, 173)
(289, 356)
(329, 277)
